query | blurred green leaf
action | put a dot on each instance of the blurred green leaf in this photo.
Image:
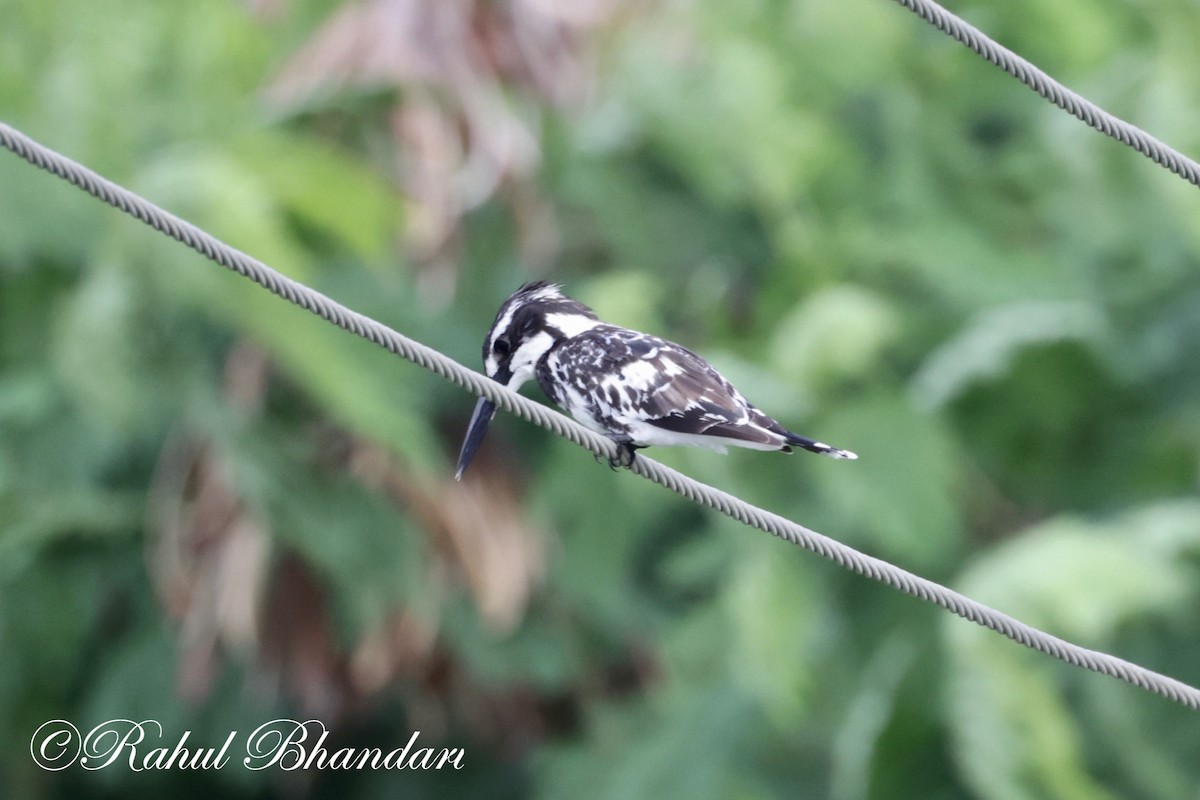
(897, 495)
(986, 348)
(837, 332)
(776, 611)
(327, 189)
(1015, 731)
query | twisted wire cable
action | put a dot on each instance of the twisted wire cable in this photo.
(478, 384)
(1075, 104)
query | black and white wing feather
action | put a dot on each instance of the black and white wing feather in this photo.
(647, 391)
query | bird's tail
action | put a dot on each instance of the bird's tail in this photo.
(818, 447)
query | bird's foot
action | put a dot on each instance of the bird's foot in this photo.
(623, 458)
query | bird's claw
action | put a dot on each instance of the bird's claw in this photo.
(623, 458)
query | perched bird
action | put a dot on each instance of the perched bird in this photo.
(636, 389)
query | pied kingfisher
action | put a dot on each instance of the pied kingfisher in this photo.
(636, 389)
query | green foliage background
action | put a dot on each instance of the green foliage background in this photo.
(881, 239)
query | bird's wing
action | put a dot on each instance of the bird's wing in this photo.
(710, 407)
(681, 392)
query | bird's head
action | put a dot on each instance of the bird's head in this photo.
(530, 322)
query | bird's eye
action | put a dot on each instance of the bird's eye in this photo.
(502, 347)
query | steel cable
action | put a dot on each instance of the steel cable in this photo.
(478, 384)
(1075, 104)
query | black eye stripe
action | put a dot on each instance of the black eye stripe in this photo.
(501, 346)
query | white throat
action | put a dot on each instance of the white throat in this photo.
(524, 361)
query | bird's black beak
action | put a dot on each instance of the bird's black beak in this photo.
(484, 411)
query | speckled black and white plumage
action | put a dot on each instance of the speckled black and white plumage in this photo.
(637, 389)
